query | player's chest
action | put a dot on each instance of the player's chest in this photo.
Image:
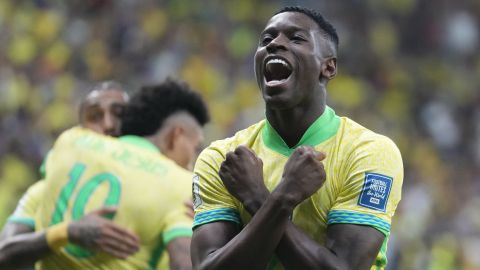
(315, 207)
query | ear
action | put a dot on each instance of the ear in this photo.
(329, 68)
(175, 134)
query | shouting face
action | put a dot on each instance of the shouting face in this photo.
(290, 59)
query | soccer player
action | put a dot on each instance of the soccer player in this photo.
(99, 111)
(305, 188)
(130, 173)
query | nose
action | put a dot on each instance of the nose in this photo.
(278, 43)
(109, 123)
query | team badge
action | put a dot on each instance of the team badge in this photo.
(375, 191)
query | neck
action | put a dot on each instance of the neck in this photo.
(154, 140)
(292, 123)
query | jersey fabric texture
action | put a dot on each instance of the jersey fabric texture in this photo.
(363, 185)
(86, 171)
(27, 206)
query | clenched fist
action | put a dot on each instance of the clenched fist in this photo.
(302, 176)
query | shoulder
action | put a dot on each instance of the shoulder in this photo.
(358, 139)
(82, 137)
(36, 188)
(218, 149)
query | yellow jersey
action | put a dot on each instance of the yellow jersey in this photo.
(363, 185)
(86, 171)
(27, 206)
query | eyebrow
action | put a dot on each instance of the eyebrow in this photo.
(290, 29)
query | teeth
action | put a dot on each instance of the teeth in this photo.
(277, 60)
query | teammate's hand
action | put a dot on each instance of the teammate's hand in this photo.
(189, 205)
(242, 175)
(303, 175)
(95, 232)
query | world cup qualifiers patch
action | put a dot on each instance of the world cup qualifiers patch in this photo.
(375, 191)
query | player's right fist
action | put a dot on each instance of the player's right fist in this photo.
(302, 176)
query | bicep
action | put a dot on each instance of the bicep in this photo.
(356, 246)
(210, 237)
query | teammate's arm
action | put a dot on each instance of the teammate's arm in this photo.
(9, 230)
(92, 231)
(215, 245)
(179, 253)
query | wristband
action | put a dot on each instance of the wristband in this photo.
(57, 235)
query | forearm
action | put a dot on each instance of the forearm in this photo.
(179, 253)
(254, 246)
(22, 250)
(296, 250)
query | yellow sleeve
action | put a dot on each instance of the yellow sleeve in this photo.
(212, 202)
(372, 185)
(177, 223)
(28, 205)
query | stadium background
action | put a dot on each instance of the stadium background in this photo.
(408, 69)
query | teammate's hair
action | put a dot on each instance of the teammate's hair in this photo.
(101, 86)
(152, 105)
(324, 25)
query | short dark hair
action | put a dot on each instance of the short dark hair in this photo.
(327, 27)
(152, 105)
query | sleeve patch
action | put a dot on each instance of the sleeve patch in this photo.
(375, 191)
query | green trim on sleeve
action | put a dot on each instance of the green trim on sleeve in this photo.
(22, 220)
(325, 127)
(176, 233)
(350, 217)
(220, 214)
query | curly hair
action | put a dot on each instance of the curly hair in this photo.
(152, 105)
(327, 27)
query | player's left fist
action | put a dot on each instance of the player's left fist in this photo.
(242, 175)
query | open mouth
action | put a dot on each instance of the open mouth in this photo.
(277, 70)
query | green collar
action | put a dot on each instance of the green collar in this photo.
(140, 142)
(322, 129)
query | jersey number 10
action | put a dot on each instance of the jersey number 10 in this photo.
(83, 195)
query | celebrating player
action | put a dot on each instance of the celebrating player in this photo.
(146, 188)
(305, 188)
(99, 111)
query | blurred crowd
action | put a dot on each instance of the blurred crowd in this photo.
(408, 69)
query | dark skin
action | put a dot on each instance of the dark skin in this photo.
(291, 107)
(179, 253)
